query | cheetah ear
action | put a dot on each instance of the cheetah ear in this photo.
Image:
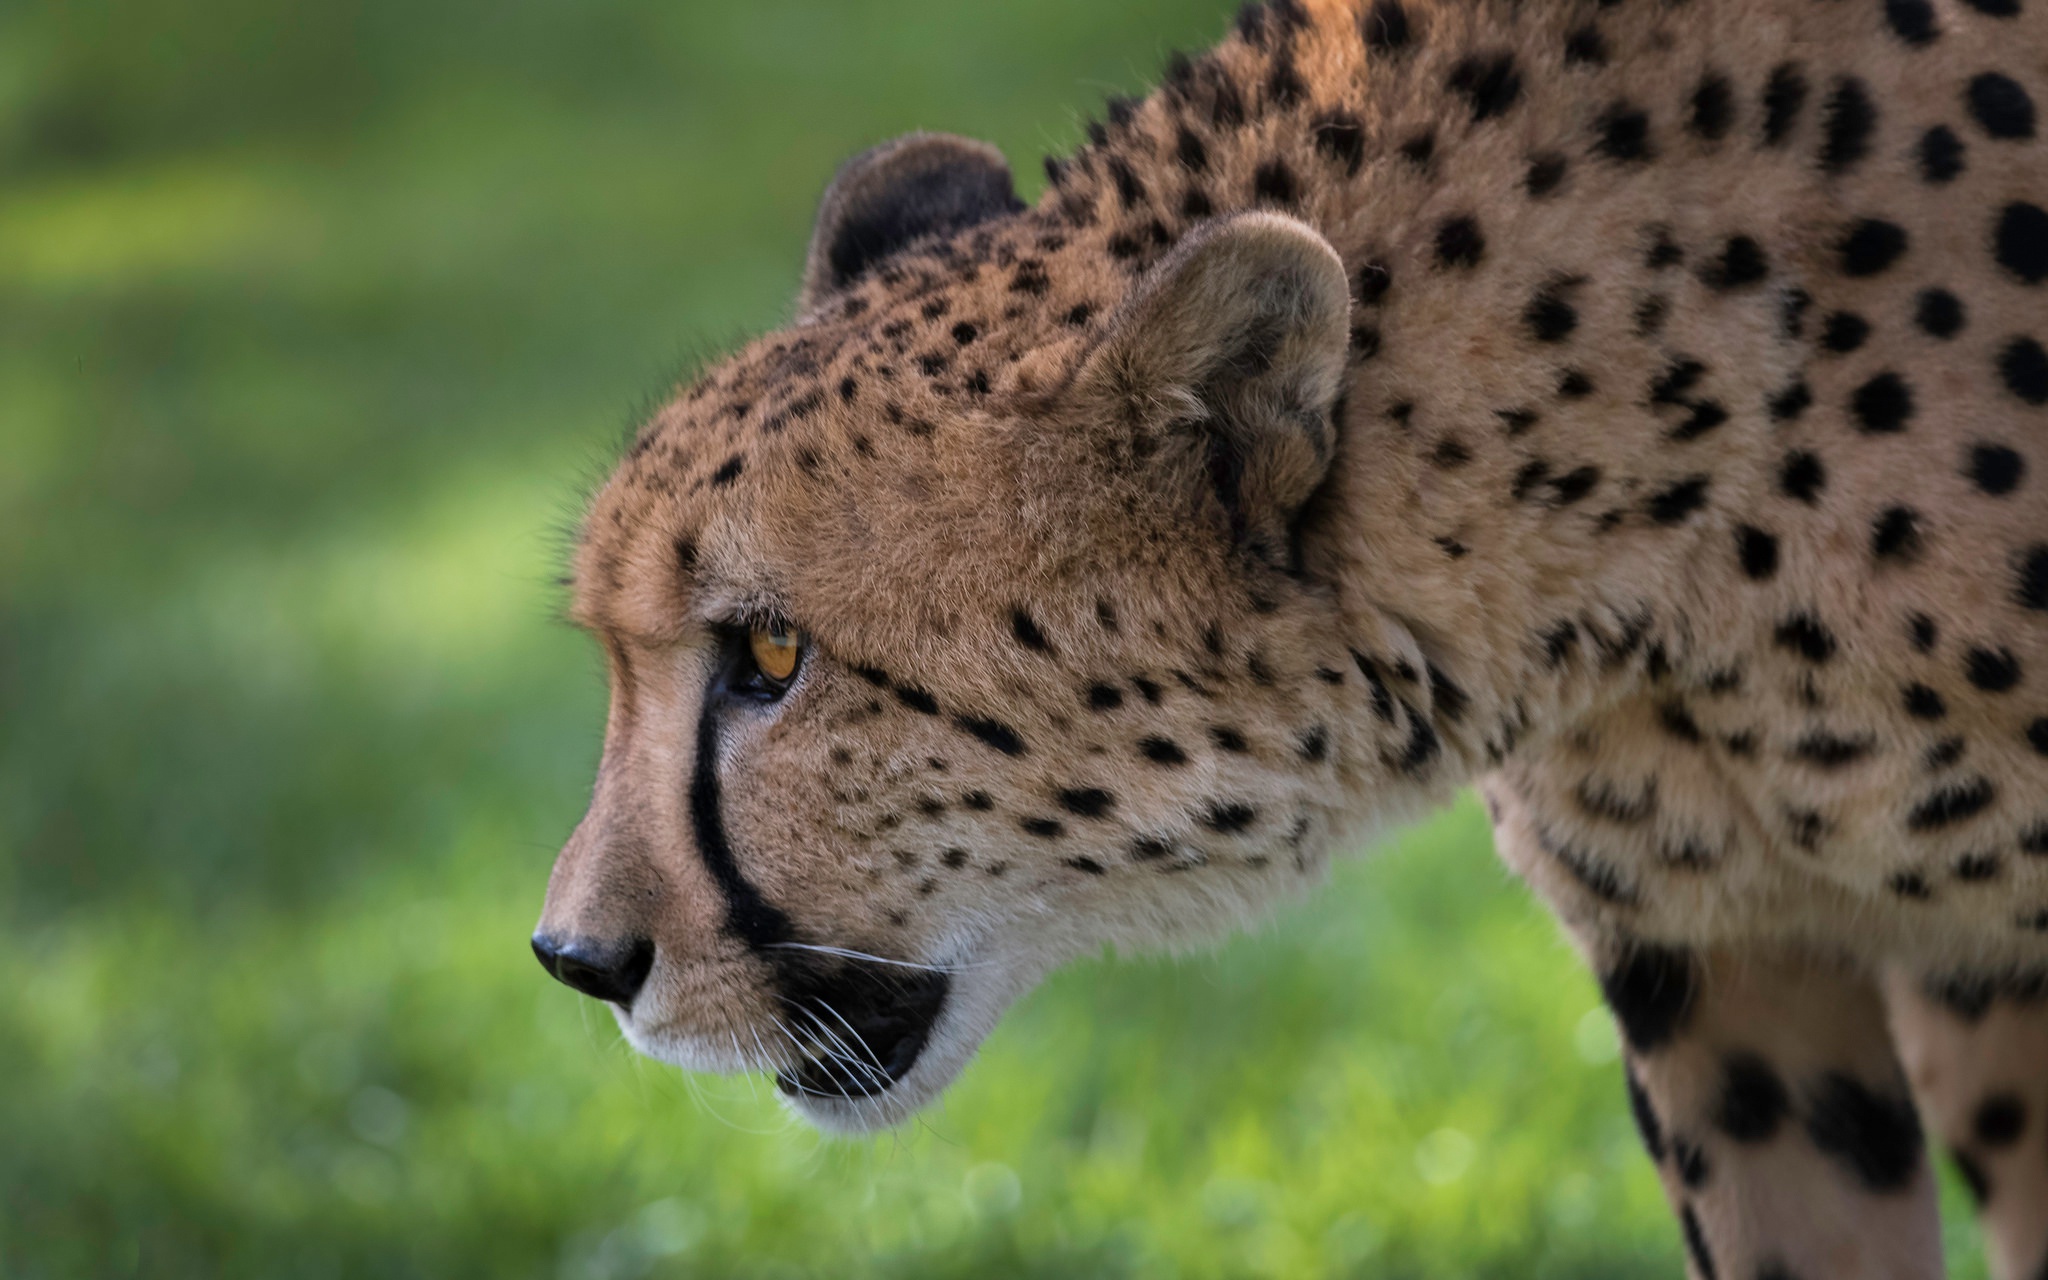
(1225, 364)
(921, 184)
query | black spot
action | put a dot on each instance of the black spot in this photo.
(1227, 818)
(2000, 1119)
(1645, 1113)
(1284, 87)
(1384, 27)
(1831, 751)
(1190, 151)
(1791, 402)
(1148, 689)
(1938, 313)
(1599, 798)
(1870, 246)
(1087, 802)
(1676, 503)
(1994, 468)
(1877, 1137)
(994, 733)
(965, 332)
(1703, 416)
(1027, 632)
(1315, 745)
(979, 801)
(1910, 885)
(1340, 137)
(1624, 133)
(954, 859)
(1162, 751)
(1546, 173)
(1130, 189)
(1784, 95)
(1882, 405)
(1372, 283)
(1923, 703)
(1944, 753)
(1847, 121)
(1087, 865)
(1044, 828)
(1913, 20)
(2023, 366)
(1941, 155)
(1574, 485)
(1549, 317)
(1696, 1244)
(917, 699)
(1421, 748)
(2037, 738)
(1488, 82)
(1450, 452)
(1843, 332)
(1458, 242)
(1585, 44)
(1677, 721)
(1079, 315)
(1651, 991)
(728, 472)
(1806, 827)
(1977, 867)
(1802, 476)
(1753, 1101)
(2030, 574)
(1418, 149)
(1229, 740)
(1105, 697)
(1650, 314)
(1804, 635)
(1995, 8)
(1273, 181)
(1574, 385)
(1992, 670)
(1713, 107)
(1896, 535)
(1741, 262)
(1920, 630)
(2000, 107)
(1956, 802)
(1758, 552)
(2022, 240)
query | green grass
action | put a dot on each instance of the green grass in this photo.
(315, 323)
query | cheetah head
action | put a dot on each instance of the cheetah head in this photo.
(968, 625)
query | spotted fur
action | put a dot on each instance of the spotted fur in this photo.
(1636, 409)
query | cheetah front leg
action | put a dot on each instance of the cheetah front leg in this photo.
(1978, 1059)
(1766, 1088)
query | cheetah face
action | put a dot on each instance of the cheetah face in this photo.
(904, 714)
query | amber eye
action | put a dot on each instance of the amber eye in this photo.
(775, 653)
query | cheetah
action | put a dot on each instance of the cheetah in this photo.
(1633, 409)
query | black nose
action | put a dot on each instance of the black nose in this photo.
(611, 971)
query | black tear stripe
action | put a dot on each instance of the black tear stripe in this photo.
(752, 918)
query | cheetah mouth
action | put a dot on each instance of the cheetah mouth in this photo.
(860, 1030)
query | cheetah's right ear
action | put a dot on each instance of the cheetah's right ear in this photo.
(921, 184)
(1225, 363)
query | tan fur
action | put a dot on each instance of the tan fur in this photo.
(1534, 513)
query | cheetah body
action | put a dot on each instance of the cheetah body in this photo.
(1675, 473)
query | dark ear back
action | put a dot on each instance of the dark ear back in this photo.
(1231, 354)
(919, 185)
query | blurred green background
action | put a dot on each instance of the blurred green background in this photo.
(317, 321)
